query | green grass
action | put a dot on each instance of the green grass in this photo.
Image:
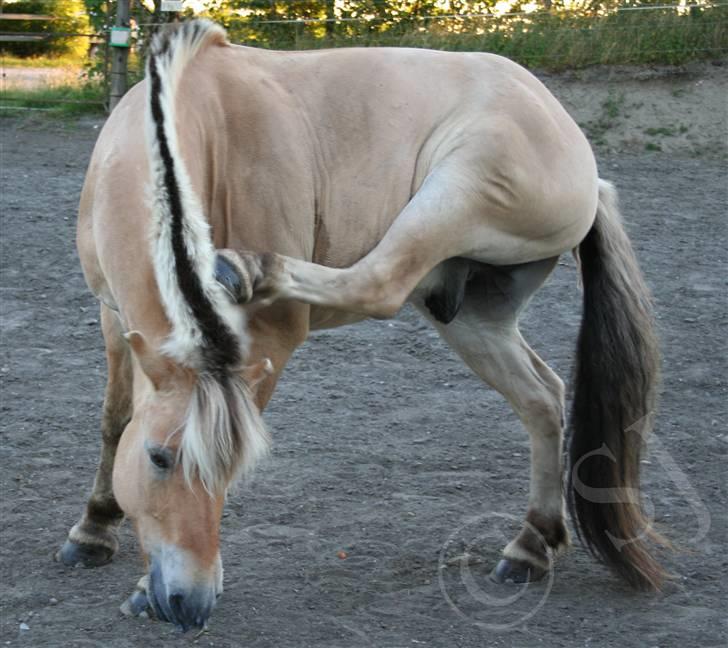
(551, 41)
(548, 41)
(612, 108)
(64, 61)
(85, 98)
(662, 130)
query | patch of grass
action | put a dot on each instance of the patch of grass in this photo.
(662, 130)
(64, 100)
(612, 106)
(651, 146)
(61, 61)
(611, 109)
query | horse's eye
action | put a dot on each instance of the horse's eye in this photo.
(160, 459)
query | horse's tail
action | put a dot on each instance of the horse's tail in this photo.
(206, 328)
(616, 378)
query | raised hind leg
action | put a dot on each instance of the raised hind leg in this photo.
(485, 334)
(451, 215)
(92, 540)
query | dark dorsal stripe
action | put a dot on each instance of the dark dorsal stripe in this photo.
(220, 346)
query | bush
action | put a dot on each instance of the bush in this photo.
(69, 17)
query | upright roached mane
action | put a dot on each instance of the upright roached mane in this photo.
(223, 433)
(206, 328)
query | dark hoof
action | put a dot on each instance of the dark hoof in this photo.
(136, 605)
(229, 278)
(516, 571)
(73, 553)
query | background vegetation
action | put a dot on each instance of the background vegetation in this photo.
(548, 34)
(70, 17)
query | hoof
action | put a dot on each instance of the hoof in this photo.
(136, 605)
(516, 571)
(229, 278)
(74, 553)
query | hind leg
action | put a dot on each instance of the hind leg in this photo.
(448, 217)
(485, 334)
(92, 540)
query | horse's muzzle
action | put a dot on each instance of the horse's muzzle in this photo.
(185, 607)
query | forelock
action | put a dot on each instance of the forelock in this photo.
(223, 436)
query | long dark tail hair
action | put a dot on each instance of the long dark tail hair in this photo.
(616, 378)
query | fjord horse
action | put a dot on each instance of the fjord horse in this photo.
(271, 193)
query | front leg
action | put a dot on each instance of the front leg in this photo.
(92, 541)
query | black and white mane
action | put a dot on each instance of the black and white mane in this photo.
(223, 434)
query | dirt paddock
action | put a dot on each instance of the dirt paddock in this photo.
(386, 448)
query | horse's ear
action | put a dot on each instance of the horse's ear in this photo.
(155, 366)
(258, 372)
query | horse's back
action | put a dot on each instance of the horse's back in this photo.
(314, 154)
(378, 122)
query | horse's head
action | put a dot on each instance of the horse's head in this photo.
(192, 433)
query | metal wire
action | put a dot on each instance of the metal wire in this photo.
(48, 35)
(24, 100)
(594, 29)
(492, 16)
(391, 37)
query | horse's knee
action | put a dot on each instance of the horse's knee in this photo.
(115, 418)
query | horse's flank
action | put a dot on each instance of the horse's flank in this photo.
(299, 149)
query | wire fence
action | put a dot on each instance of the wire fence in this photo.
(551, 39)
(490, 15)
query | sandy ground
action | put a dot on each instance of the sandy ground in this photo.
(386, 446)
(679, 110)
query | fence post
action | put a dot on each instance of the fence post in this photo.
(119, 58)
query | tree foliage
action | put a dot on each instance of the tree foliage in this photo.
(548, 33)
(69, 17)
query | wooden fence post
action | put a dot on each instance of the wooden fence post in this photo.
(119, 58)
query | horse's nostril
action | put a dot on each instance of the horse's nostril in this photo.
(178, 616)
